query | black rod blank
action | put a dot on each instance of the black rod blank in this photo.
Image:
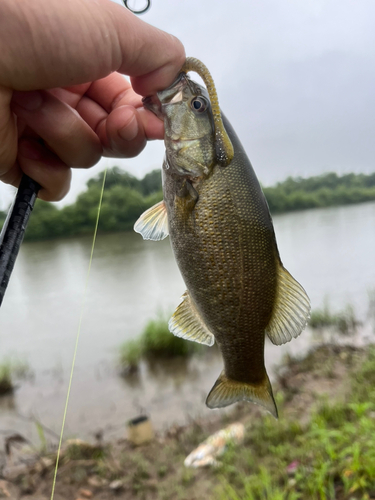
(13, 231)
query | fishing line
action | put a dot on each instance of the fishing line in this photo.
(148, 5)
(78, 334)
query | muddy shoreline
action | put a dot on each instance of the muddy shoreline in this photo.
(117, 469)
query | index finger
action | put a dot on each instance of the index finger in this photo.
(111, 91)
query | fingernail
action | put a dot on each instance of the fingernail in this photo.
(130, 130)
(28, 100)
(30, 150)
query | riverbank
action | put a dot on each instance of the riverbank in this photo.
(131, 281)
(126, 198)
(321, 447)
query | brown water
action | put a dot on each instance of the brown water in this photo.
(330, 251)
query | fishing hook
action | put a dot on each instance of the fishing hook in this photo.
(142, 11)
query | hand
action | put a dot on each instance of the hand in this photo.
(63, 100)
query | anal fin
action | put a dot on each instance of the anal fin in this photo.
(226, 392)
(291, 311)
(153, 224)
(187, 323)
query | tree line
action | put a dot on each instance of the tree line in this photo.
(320, 191)
(126, 198)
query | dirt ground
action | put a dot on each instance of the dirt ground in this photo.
(118, 470)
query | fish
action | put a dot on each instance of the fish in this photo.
(222, 235)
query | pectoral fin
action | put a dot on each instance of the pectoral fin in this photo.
(226, 392)
(153, 224)
(291, 311)
(187, 323)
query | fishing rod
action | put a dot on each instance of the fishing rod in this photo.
(14, 227)
(140, 11)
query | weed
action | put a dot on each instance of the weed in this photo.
(11, 369)
(79, 450)
(6, 383)
(322, 318)
(330, 457)
(344, 322)
(162, 471)
(156, 341)
(188, 477)
(42, 436)
(131, 353)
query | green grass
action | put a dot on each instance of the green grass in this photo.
(155, 342)
(343, 322)
(331, 457)
(131, 353)
(80, 450)
(11, 369)
(321, 448)
(158, 341)
(6, 382)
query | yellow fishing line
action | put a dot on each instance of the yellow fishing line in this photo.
(78, 335)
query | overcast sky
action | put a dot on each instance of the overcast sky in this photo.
(295, 78)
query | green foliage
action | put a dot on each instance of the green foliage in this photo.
(131, 353)
(151, 183)
(6, 383)
(344, 322)
(42, 436)
(46, 219)
(328, 453)
(125, 199)
(320, 191)
(156, 341)
(80, 450)
(11, 369)
(330, 457)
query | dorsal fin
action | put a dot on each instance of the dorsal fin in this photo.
(291, 311)
(187, 323)
(153, 224)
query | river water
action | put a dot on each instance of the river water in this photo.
(330, 251)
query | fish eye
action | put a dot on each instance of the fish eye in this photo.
(199, 104)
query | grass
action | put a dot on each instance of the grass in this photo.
(343, 322)
(330, 457)
(158, 341)
(6, 383)
(131, 353)
(11, 370)
(321, 448)
(155, 342)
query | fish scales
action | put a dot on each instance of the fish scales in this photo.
(224, 243)
(226, 252)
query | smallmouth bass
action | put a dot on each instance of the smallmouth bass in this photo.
(223, 240)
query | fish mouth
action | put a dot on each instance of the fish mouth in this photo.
(154, 102)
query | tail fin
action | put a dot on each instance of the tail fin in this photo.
(226, 392)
